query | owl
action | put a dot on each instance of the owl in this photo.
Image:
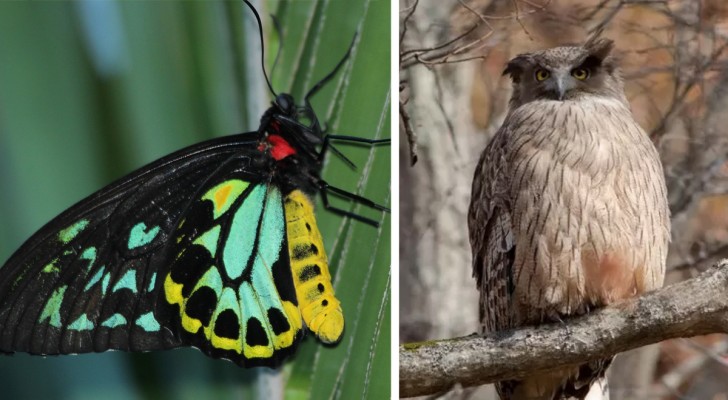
(569, 209)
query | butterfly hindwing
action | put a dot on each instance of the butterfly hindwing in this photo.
(230, 283)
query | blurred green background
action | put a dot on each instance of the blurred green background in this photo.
(91, 90)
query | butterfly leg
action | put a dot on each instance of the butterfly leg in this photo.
(324, 188)
(328, 146)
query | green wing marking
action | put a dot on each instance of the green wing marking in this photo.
(81, 324)
(241, 237)
(224, 195)
(66, 235)
(148, 322)
(52, 309)
(114, 321)
(140, 235)
(128, 281)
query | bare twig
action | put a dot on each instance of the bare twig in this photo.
(406, 56)
(518, 19)
(405, 21)
(409, 132)
(439, 54)
(447, 60)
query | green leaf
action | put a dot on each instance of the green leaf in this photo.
(92, 90)
(355, 102)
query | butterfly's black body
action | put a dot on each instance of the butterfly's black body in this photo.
(301, 170)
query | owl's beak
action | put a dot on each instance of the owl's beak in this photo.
(564, 83)
(561, 87)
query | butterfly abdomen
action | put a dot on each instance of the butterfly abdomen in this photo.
(320, 308)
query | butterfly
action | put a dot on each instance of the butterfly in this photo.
(214, 246)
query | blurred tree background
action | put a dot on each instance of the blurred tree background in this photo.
(674, 58)
(91, 90)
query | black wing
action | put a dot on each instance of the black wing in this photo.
(89, 280)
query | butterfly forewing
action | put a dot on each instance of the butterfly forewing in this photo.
(87, 281)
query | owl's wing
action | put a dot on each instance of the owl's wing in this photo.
(491, 236)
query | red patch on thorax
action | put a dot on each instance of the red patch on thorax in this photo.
(279, 148)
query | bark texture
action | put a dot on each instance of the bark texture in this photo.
(693, 307)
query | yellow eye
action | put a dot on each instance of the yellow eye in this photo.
(542, 75)
(580, 74)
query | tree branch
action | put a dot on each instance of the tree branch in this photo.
(693, 307)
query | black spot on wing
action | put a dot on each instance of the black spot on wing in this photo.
(202, 304)
(278, 321)
(255, 335)
(283, 277)
(197, 220)
(227, 325)
(190, 266)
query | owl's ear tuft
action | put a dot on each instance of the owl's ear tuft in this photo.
(599, 48)
(599, 55)
(516, 67)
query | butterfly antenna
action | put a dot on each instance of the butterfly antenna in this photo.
(331, 74)
(262, 46)
(279, 32)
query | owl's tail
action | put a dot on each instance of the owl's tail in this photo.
(586, 382)
(599, 390)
